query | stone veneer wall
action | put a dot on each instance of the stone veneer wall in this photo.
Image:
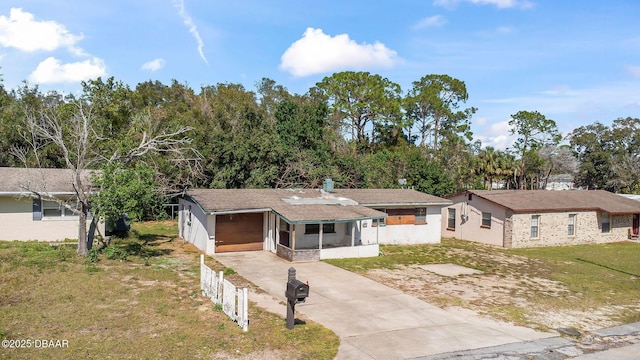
(553, 229)
(507, 238)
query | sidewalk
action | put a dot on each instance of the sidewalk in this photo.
(619, 343)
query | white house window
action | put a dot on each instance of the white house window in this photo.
(486, 219)
(451, 219)
(380, 222)
(605, 221)
(53, 209)
(329, 228)
(315, 228)
(535, 226)
(421, 216)
(571, 230)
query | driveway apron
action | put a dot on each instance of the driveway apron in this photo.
(372, 320)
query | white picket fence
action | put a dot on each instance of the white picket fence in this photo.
(235, 302)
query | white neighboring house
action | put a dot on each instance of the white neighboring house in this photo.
(560, 182)
(26, 216)
(308, 224)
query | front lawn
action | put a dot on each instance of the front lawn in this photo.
(584, 287)
(143, 303)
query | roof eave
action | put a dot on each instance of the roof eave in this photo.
(311, 221)
(406, 204)
(31, 193)
(612, 212)
(236, 211)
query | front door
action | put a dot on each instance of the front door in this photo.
(636, 224)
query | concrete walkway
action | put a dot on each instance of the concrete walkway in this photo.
(372, 320)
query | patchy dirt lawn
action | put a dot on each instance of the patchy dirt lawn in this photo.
(514, 288)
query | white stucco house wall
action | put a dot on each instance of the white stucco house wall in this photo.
(26, 216)
(308, 224)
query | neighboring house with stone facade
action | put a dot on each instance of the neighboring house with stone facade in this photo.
(532, 218)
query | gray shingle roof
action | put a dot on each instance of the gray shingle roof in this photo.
(15, 180)
(311, 204)
(567, 200)
(391, 197)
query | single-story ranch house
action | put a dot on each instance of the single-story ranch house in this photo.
(308, 224)
(530, 218)
(26, 216)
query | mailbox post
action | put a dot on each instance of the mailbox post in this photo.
(296, 292)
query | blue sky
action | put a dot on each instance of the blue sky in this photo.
(576, 62)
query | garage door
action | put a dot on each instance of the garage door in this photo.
(239, 232)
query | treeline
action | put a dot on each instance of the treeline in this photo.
(357, 128)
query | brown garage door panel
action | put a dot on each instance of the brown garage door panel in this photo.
(239, 232)
(239, 247)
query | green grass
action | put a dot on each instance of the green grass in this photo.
(448, 251)
(146, 307)
(604, 274)
(595, 275)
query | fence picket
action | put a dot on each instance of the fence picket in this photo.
(221, 291)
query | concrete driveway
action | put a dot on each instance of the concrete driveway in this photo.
(372, 320)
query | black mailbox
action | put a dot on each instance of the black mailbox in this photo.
(297, 291)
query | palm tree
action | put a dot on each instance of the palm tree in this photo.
(488, 165)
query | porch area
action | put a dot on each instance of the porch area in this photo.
(318, 241)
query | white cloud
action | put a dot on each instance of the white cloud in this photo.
(633, 70)
(21, 31)
(500, 4)
(51, 71)
(154, 65)
(317, 52)
(186, 18)
(497, 136)
(431, 21)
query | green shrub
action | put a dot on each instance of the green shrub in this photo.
(93, 256)
(113, 252)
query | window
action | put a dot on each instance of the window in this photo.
(605, 220)
(315, 228)
(470, 196)
(53, 209)
(535, 224)
(421, 216)
(401, 216)
(486, 219)
(571, 230)
(451, 219)
(379, 222)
